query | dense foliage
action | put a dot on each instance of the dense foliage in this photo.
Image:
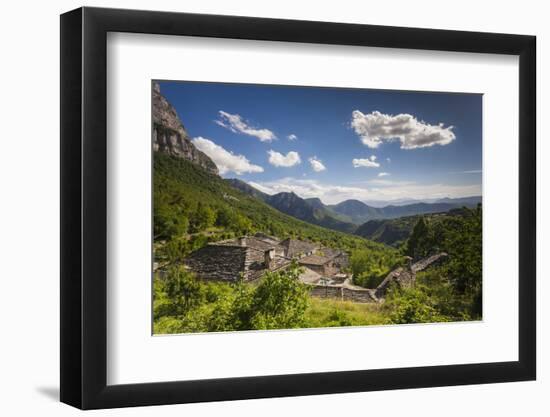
(279, 301)
(370, 268)
(185, 304)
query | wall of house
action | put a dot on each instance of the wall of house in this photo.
(323, 291)
(254, 263)
(343, 293)
(223, 263)
(358, 296)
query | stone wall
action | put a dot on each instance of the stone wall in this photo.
(359, 295)
(223, 263)
(254, 264)
(343, 293)
(326, 291)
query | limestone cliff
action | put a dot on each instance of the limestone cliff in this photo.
(170, 136)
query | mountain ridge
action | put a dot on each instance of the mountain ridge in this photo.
(348, 214)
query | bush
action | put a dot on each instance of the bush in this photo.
(182, 289)
(369, 267)
(280, 301)
(411, 305)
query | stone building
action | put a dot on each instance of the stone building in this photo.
(323, 265)
(250, 256)
(406, 276)
(345, 290)
(229, 260)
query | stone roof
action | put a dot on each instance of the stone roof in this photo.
(296, 247)
(247, 241)
(267, 238)
(407, 276)
(330, 252)
(424, 263)
(309, 277)
(314, 260)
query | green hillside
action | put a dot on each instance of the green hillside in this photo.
(193, 207)
(396, 231)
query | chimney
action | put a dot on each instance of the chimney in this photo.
(242, 241)
(269, 255)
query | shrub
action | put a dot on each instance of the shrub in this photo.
(280, 301)
(411, 305)
(182, 289)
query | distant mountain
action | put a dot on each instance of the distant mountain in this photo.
(465, 201)
(310, 210)
(315, 203)
(346, 215)
(356, 211)
(398, 202)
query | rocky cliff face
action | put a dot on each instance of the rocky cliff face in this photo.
(169, 135)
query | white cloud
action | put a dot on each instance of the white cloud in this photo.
(316, 164)
(292, 136)
(226, 161)
(384, 174)
(279, 160)
(383, 190)
(376, 127)
(367, 163)
(237, 124)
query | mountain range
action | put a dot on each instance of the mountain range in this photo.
(347, 215)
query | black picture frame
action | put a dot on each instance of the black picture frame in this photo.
(84, 207)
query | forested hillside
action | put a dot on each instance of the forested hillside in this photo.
(395, 232)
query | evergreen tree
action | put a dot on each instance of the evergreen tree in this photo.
(418, 241)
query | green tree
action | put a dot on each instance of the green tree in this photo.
(183, 290)
(418, 245)
(204, 217)
(279, 301)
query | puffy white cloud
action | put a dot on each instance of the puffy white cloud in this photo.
(292, 136)
(237, 124)
(367, 163)
(316, 164)
(378, 189)
(226, 161)
(279, 160)
(376, 127)
(383, 174)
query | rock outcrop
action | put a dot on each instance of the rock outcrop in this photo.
(170, 136)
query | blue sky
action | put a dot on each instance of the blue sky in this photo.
(335, 144)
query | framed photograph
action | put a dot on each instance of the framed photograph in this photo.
(256, 208)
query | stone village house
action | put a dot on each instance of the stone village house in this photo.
(248, 257)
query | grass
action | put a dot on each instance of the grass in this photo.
(324, 312)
